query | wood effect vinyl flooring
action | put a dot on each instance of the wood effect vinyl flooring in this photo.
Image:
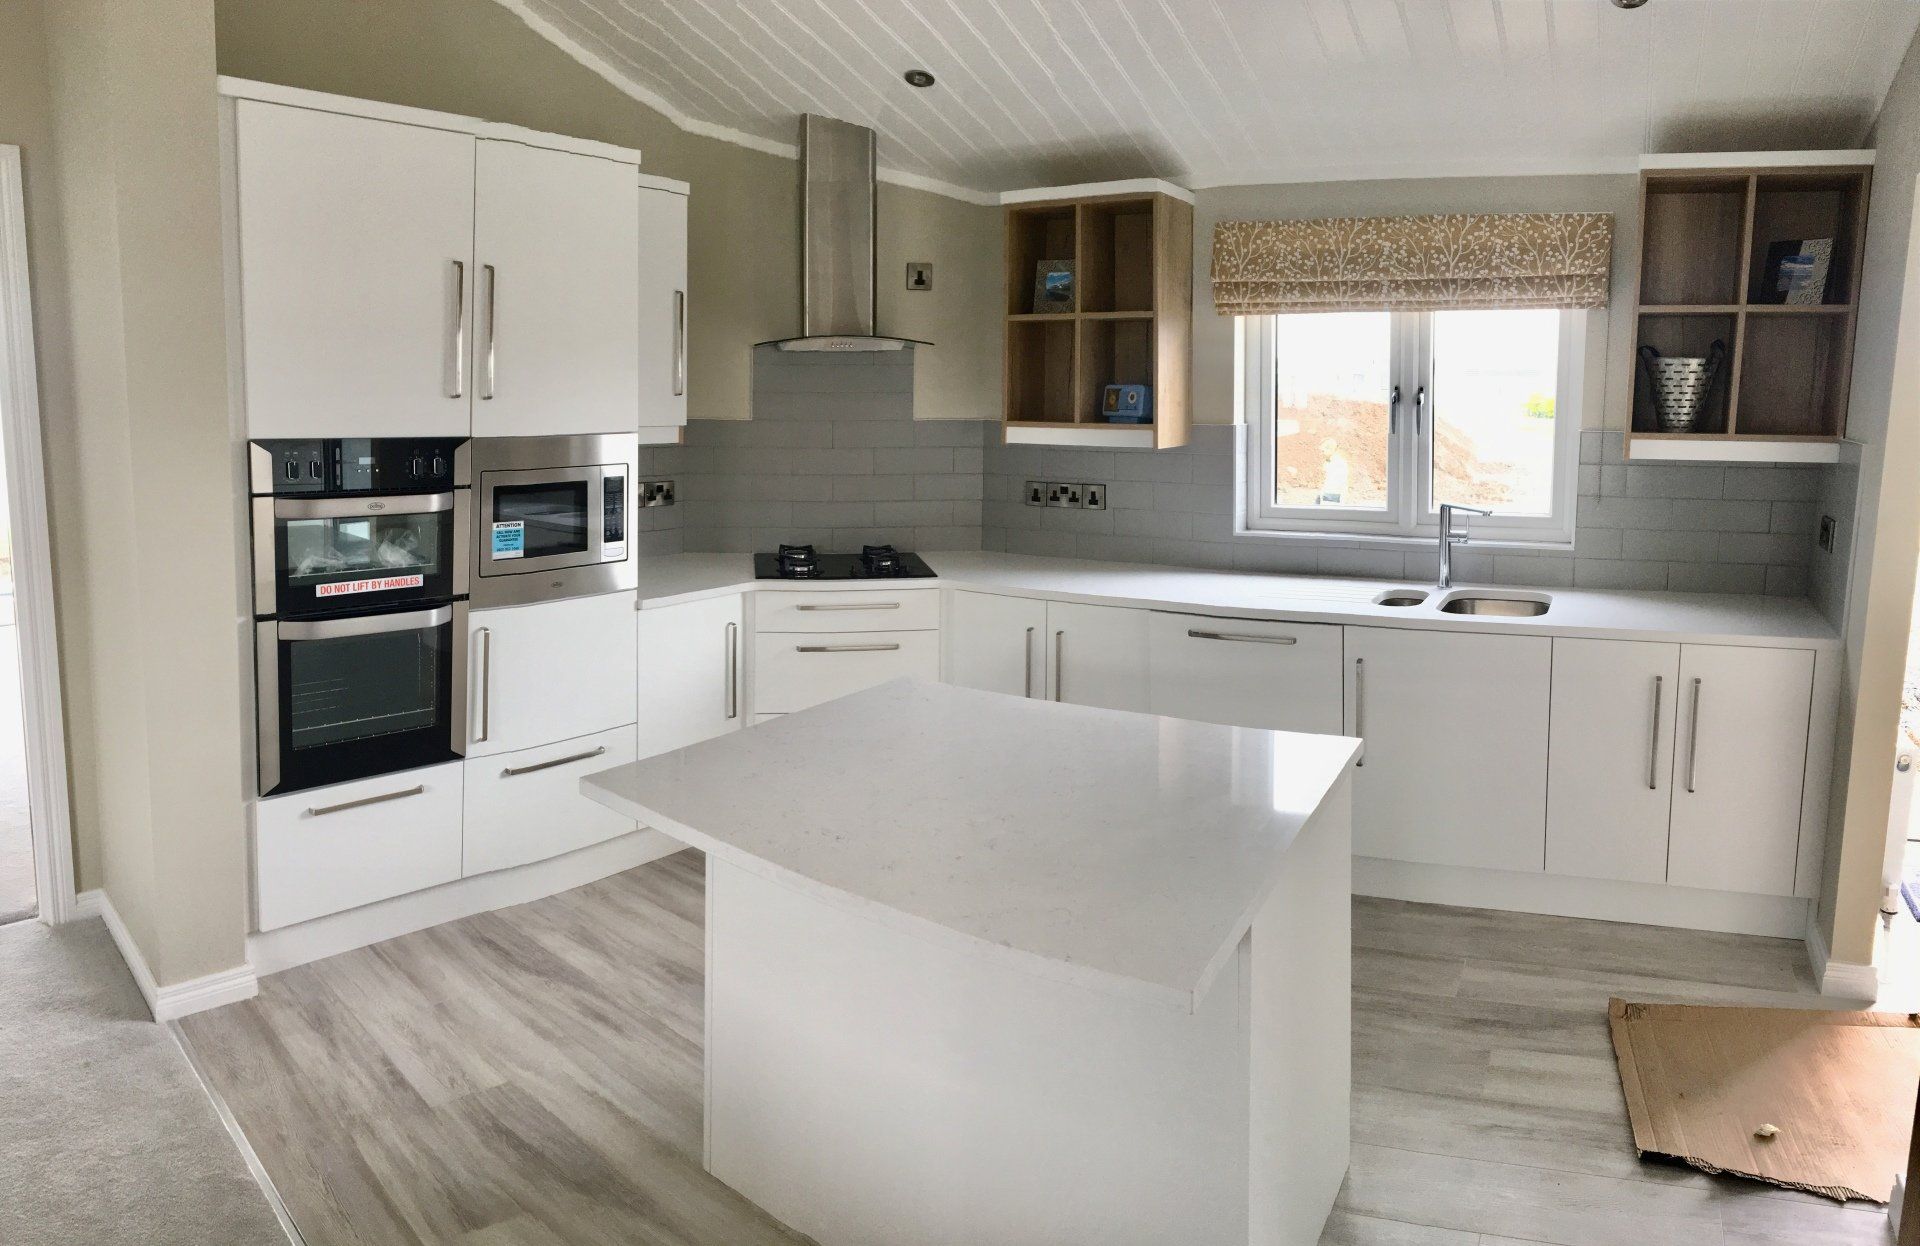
(532, 1077)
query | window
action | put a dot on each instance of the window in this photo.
(1366, 422)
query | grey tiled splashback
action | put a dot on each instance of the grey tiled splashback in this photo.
(1685, 528)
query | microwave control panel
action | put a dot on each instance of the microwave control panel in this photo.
(613, 496)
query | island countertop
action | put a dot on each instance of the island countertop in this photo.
(1124, 852)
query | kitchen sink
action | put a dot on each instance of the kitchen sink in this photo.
(1400, 597)
(1510, 607)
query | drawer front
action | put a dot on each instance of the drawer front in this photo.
(854, 610)
(792, 672)
(1246, 672)
(527, 806)
(337, 848)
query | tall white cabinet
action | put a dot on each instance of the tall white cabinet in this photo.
(663, 308)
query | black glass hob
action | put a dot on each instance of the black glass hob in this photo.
(873, 562)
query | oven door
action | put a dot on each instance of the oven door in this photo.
(315, 556)
(351, 698)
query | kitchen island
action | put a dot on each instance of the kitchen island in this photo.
(988, 969)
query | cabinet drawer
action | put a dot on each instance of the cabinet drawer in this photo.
(793, 672)
(855, 610)
(336, 848)
(1246, 672)
(527, 806)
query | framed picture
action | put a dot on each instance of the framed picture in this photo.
(1796, 271)
(1053, 286)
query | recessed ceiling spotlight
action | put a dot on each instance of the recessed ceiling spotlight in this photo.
(1628, 4)
(921, 78)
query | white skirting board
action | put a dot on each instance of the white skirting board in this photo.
(182, 999)
(1839, 978)
(1558, 895)
(327, 936)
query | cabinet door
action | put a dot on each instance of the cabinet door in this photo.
(551, 671)
(527, 806)
(663, 308)
(1455, 725)
(1741, 760)
(1610, 758)
(689, 673)
(557, 346)
(1097, 655)
(997, 644)
(356, 242)
(1245, 672)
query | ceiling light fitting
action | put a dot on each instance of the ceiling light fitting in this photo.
(921, 78)
(1628, 4)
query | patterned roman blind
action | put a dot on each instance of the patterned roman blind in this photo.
(1412, 263)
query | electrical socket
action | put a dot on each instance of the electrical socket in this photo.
(1093, 497)
(1076, 495)
(1057, 494)
(1036, 493)
(655, 493)
(1826, 533)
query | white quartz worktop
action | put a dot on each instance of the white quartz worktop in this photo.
(1696, 618)
(1124, 852)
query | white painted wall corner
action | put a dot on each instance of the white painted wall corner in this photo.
(182, 999)
(1838, 978)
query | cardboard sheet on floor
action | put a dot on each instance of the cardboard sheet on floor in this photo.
(1702, 1083)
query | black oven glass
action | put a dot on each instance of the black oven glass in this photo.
(554, 515)
(361, 561)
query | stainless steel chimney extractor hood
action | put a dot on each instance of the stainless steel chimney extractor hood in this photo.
(836, 223)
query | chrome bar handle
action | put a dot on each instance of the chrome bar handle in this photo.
(1693, 734)
(486, 685)
(1360, 704)
(1247, 638)
(1026, 684)
(493, 320)
(1653, 743)
(457, 343)
(1059, 666)
(679, 343)
(321, 811)
(875, 648)
(590, 754)
(873, 605)
(733, 670)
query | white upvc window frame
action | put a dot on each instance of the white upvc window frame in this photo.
(1410, 514)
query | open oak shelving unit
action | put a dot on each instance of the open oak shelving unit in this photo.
(1704, 238)
(1131, 323)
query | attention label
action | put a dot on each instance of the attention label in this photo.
(378, 584)
(510, 539)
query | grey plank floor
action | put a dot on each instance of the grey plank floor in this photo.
(533, 1077)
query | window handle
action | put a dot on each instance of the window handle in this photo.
(1419, 408)
(1393, 412)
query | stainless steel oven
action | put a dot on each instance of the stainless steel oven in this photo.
(551, 517)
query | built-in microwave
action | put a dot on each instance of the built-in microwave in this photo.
(551, 517)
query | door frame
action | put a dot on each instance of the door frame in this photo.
(43, 717)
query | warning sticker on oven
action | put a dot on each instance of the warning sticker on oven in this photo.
(379, 584)
(510, 539)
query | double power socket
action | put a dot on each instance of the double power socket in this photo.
(653, 493)
(1090, 497)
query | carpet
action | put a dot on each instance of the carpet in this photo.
(106, 1136)
(1802, 1098)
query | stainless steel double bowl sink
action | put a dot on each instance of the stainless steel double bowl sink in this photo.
(1501, 605)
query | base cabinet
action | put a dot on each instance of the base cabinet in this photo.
(796, 670)
(556, 670)
(526, 806)
(1610, 768)
(996, 644)
(1246, 672)
(690, 660)
(1739, 764)
(1097, 655)
(1455, 725)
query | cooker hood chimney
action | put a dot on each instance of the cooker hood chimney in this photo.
(836, 222)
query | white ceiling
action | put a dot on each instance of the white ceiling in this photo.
(1215, 92)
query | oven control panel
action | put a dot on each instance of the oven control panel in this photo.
(333, 465)
(613, 497)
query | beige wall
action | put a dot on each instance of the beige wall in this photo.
(1607, 398)
(144, 541)
(475, 58)
(1884, 417)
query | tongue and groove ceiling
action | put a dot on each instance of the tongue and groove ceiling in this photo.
(1220, 92)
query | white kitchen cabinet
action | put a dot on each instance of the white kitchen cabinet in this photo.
(527, 806)
(1739, 764)
(1097, 655)
(1246, 672)
(690, 673)
(552, 671)
(557, 248)
(337, 848)
(793, 670)
(355, 273)
(1610, 758)
(663, 306)
(1455, 726)
(997, 643)
(847, 610)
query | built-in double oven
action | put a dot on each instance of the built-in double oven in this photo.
(361, 551)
